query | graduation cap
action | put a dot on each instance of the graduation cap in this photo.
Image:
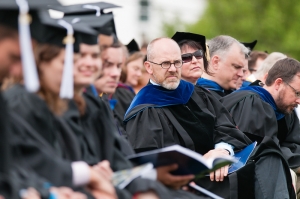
(180, 37)
(83, 9)
(250, 45)
(62, 33)
(93, 21)
(132, 47)
(19, 14)
(95, 9)
(55, 34)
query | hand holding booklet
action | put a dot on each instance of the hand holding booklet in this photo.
(191, 162)
(188, 161)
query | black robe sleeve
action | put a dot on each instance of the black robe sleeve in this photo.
(31, 151)
(290, 144)
(251, 114)
(225, 127)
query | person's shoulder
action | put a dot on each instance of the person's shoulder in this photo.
(124, 90)
(18, 96)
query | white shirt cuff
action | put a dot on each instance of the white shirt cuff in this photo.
(152, 174)
(226, 146)
(81, 173)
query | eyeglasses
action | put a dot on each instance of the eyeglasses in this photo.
(167, 64)
(296, 92)
(189, 56)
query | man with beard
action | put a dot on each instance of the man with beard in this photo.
(268, 110)
(171, 111)
(228, 61)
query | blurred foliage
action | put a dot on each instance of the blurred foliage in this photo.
(274, 23)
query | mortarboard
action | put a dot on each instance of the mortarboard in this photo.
(54, 33)
(83, 9)
(132, 47)
(9, 14)
(91, 9)
(90, 20)
(62, 33)
(250, 45)
(19, 14)
(183, 36)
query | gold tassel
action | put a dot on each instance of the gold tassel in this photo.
(207, 53)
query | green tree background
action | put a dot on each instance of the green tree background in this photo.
(274, 23)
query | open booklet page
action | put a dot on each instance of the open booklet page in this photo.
(122, 178)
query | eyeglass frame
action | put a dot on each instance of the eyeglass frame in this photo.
(167, 62)
(297, 93)
(193, 55)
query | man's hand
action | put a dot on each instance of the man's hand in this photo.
(30, 193)
(101, 185)
(175, 182)
(147, 195)
(104, 168)
(219, 174)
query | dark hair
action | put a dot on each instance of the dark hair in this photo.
(6, 32)
(254, 56)
(285, 69)
(195, 45)
(45, 53)
(133, 57)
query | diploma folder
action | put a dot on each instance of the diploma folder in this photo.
(188, 161)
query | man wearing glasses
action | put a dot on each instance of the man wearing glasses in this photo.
(269, 110)
(171, 111)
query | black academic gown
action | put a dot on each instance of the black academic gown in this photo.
(164, 126)
(34, 144)
(198, 125)
(257, 119)
(105, 143)
(7, 182)
(119, 102)
(255, 116)
(124, 97)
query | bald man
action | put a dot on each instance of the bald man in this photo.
(171, 111)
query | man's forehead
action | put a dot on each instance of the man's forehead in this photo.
(166, 50)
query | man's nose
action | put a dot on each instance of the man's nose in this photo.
(115, 71)
(298, 100)
(240, 73)
(172, 67)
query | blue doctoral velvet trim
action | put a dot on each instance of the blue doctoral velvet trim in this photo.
(266, 96)
(112, 103)
(160, 97)
(94, 90)
(245, 84)
(210, 85)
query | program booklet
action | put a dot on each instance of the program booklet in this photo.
(242, 157)
(122, 178)
(188, 161)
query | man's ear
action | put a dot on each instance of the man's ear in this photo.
(148, 67)
(214, 62)
(277, 83)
